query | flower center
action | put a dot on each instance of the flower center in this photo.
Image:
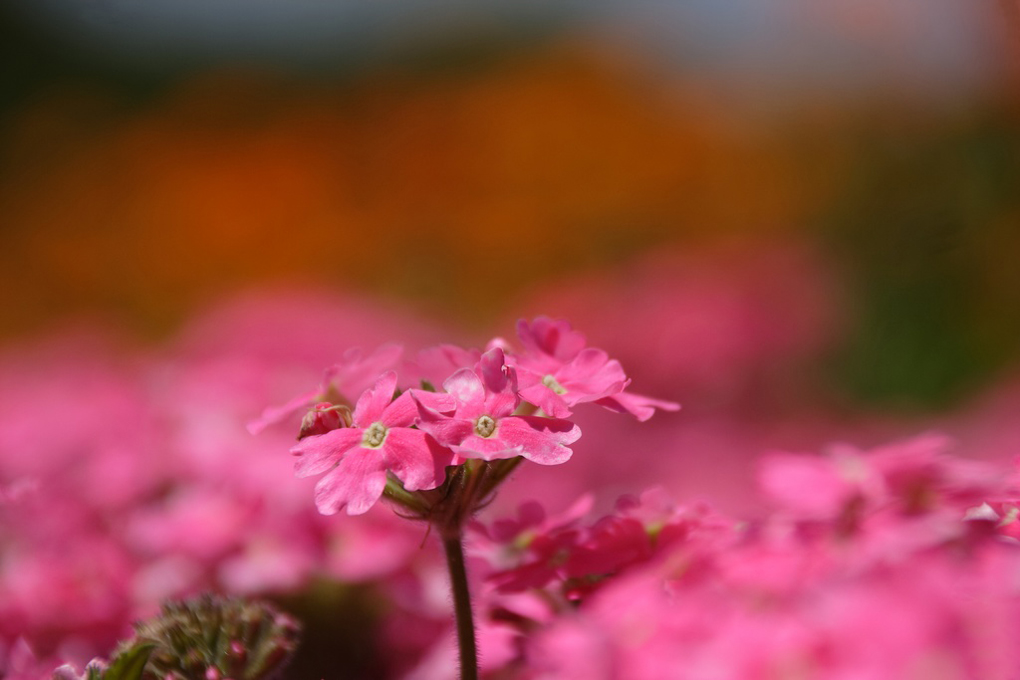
(374, 436)
(551, 382)
(485, 426)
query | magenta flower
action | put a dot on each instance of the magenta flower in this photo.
(557, 371)
(481, 425)
(436, 364)
(380, 439)
(550, 341)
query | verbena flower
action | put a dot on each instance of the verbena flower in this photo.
(557, 371)
(482, 412)
(381, 439)
(482, 424)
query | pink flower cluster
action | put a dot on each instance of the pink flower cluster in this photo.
(126, 476)
(492, 405)
(898, 562)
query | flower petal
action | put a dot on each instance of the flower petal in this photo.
(319, 453)
(401, 413)
(355, 484)
(500, 383)
(638, 405)
(275, 414)
(447, 431)
(541, 440)
(436, 401)
(590, 376)
(486, 449)
(543, 397)
(466, 386)
(552, 337)
(373, 402)
(418, 460)
(356, 374)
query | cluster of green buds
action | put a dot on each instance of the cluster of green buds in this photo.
(206, 638)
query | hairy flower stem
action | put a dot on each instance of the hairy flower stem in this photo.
(454, 546)
(467, 488)
(501, 469)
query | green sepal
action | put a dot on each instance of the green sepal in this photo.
(128, 665)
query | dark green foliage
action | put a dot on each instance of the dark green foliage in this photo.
(927, 234)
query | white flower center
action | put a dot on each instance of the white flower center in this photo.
(485, 426)
(551, 382)
(374, 436)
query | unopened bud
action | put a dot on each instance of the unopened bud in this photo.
(237, 651)
(324, 417)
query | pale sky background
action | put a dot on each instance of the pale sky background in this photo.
(934, 45)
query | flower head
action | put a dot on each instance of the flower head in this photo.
(557, 372)
(381, 439)
(482, 425)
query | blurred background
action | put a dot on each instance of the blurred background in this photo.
(457, 156)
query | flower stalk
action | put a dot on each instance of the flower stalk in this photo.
(440, 454)
(453, 545)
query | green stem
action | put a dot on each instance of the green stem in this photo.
(501, 469)
(454, 547)
(396, 493)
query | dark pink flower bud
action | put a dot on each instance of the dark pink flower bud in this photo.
(322, 418)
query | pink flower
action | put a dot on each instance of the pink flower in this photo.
(436, 364)
(357, 458)
(820, 487)
(530, 550)
(550, 343)
(914, 477)
(482, 426)
(19, 662)
(557, 371)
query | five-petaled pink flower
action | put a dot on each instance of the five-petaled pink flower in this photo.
(381, 438)
(482, 425)
(557, 371)
(412, 438)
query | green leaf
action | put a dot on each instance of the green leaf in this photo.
(129, 664)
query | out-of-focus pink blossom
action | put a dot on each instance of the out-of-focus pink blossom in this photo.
(908, 589)
(711, 323)
(137, 481)
(353, 375)
(19, 662)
